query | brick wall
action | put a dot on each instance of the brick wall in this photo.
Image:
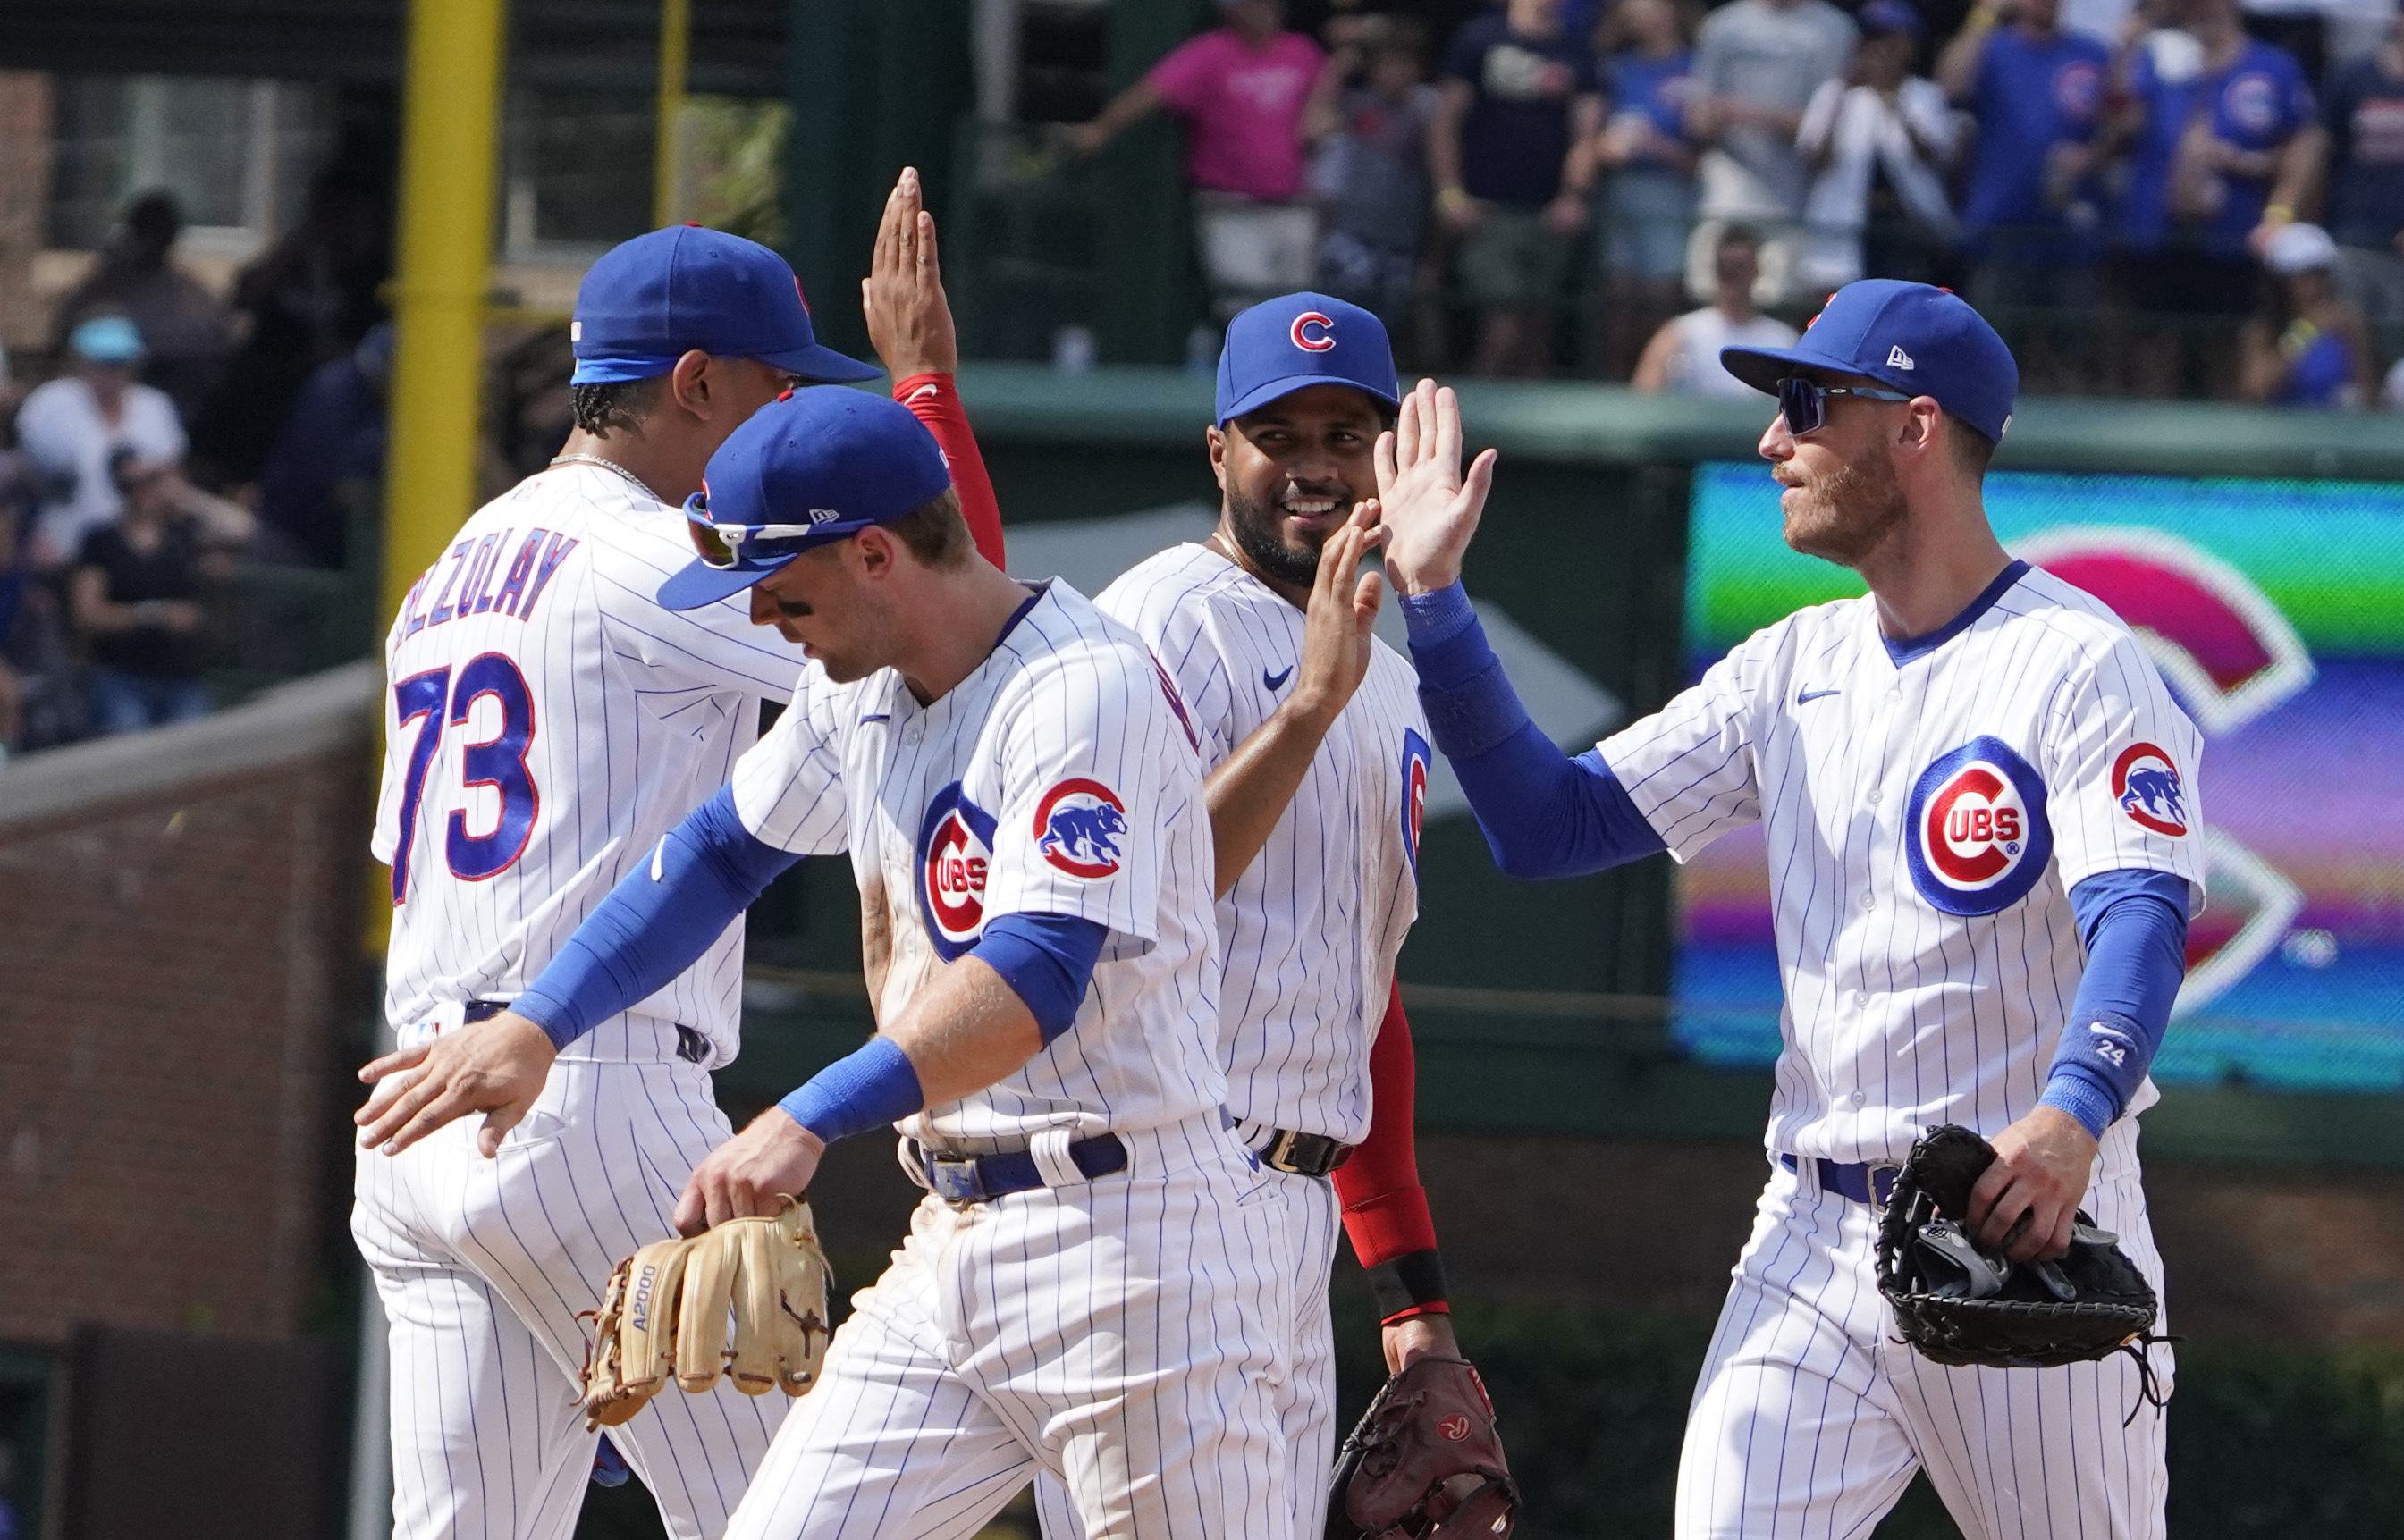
(25, 203)
(178, 934)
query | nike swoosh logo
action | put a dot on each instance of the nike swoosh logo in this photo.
(1277, 680)
(1813, 695)
(922, 392)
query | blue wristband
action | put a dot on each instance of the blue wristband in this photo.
(1435, 618)
(872, 1088)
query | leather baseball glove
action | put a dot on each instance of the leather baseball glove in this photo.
(1425, 1463)
(666, 1313)
(1957, 1304)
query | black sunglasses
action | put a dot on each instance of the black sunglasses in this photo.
(1804, 403)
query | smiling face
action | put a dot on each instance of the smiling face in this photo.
(1292, 473)
(1842, 499)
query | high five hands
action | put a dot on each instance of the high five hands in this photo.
(1430, 508)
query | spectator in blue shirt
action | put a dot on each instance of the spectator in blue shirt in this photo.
(1648, 204)
(2362, 110)
(2030, 227)
(1510, 153)
(2222, 135)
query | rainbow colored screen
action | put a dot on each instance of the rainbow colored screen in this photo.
(2275, 609)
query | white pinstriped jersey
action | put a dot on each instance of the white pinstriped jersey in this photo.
(545, 724)
(1311, 931)
(1060, 777)
(1925, 822)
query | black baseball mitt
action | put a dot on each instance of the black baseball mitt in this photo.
(1957, 1304)
(1425, 1463)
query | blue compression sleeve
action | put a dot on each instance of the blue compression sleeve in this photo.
(1047, 959)
(655, 922)
(870, 1089)
(2135, 924)
(1543, 814)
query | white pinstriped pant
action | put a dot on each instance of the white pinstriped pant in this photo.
(1811, 1416)
(1307, 1411)
(1123, 1335)
(482, 1265)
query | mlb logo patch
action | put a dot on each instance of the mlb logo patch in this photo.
(2147, 788)
(1977, 839)
(1077, 828)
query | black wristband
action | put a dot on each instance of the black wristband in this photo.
(1415, 1278)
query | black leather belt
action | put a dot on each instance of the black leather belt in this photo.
(1302, 1154)
(976, 1178)
(1856, 1179)
(692, 1046)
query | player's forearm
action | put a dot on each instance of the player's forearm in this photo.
(1253, 787)
(1543, 813)
(934, 398)
(655, 923)
(2135, 927)
(1385, 1207)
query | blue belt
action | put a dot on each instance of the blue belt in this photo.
(975, 1178)
(1856, 1179)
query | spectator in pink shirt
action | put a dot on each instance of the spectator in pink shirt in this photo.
(1242, 89)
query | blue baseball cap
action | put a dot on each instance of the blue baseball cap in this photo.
(1908, 336)
(1298, 340)
(106, 340)
(810, 468)
(650, 300)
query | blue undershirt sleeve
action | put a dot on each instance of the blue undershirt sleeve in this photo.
(1047, 960)
(1543, 814)
(2134, 924)
(655, 922)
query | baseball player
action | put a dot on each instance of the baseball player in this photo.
(1980, 806)
(1096, 1284)
(547, 721)
(1316, 759)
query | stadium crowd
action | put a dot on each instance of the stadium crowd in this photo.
(2152, 197)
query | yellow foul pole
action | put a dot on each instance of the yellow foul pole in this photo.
(450, 138)
(676, 51)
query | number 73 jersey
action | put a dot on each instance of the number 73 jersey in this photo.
(545, 724)
(1927, 811)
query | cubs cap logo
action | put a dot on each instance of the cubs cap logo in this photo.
(2146, 785)
(1312, 332)
(1977, 839)
(1415, 780)
(1077, 828)
(954, 858)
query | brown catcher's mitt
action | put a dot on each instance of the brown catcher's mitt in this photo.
(666, 1306)
(1425, 1463)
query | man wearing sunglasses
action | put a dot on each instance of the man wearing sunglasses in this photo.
(547, 722)
(1980, 806)
(1094, 1287)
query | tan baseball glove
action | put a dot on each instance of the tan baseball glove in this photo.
(666, 1306)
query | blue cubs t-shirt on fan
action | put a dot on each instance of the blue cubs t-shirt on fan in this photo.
(2031, 95)
(1657, 88)
(1516, 134)
(2255, 103)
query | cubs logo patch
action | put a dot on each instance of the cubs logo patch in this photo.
(1077, 828)
(1177, 704)
(1312, 332)
(1976, 840)
(2252, 102)
(2146, 785)
(954, 858)
(2078, 89)
(1415, 780)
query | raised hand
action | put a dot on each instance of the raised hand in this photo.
(1431, 510)
(909, 318)
(1339, 620)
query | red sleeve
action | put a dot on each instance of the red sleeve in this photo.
(1384, 1208)
(936, 400)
